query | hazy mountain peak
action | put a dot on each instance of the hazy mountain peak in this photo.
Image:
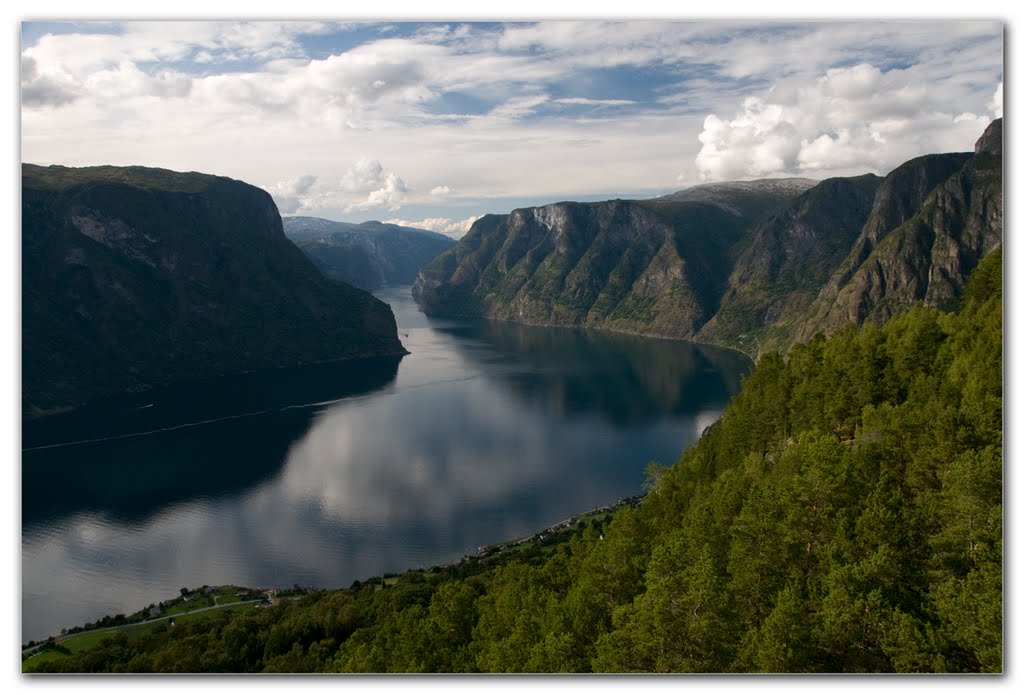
(794, 184)
(368, 255)
(729, 195)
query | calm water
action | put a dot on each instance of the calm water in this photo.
(317, 477)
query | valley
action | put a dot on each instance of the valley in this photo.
(512, 347)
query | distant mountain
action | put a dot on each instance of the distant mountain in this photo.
(368, 255)
(742, 198)
(134, 278)
(656, 267)
(754, 265)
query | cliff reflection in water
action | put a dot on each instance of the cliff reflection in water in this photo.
(494, 430)
(206, 439)
(624, 378)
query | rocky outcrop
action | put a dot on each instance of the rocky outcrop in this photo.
(369, 255)
(134, 278)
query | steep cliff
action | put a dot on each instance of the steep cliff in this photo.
(655, 267)
(135, 277)
(792, 253)
(368, 255)
(934, 219)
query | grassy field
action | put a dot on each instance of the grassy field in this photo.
(206, 614)
(75, 645)
(86, 641)
(224, 593)
(194, 602)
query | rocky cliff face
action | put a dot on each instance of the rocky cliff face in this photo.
(937, 218)
(754, 265)
(368, 255)
(792, 253)
(134, 278)
(653, 267)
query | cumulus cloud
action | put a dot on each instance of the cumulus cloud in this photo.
(456, 229)
(129, 68)
(44, 90)
(382, 187)
(850, 120)
(996, 105)
(362, 77)
(757, 142)
(291, 196)
(440, 191)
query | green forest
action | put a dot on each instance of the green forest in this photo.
(844, 515)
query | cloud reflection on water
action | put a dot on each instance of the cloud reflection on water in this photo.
(488, 432)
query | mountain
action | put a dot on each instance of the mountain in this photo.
(791, 254)
(656, 267)
(932, 224)
(753, 265)
(135, 277)
(368, 255)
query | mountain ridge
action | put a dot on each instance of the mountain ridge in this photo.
(753, 265)
(654, 267)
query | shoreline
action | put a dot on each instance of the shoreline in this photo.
(484, 552)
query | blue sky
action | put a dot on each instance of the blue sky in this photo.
(436, 123)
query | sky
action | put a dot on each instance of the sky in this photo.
(433, 124)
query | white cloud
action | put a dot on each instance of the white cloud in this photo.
(165, 41)
(383, 188)
(366, 185)
(518, 107)
(440, 191)
(759, 141)
(292, 195)
(850, 120)
(584, 101)
(996, 105)
(456, 229)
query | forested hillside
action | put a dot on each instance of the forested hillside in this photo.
(844, 515)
